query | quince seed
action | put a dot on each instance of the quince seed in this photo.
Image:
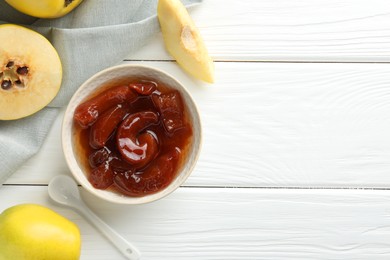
(6, 84)
(10, 64)
(22, 70)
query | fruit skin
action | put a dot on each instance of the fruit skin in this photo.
(34, 232)
(44, 8)
(27, 47)
(183, 40)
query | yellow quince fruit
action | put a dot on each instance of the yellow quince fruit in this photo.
(34, 232)
(183, 40)
(30, 72)
(44, 8)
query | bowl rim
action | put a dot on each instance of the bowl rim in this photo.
(71, 161)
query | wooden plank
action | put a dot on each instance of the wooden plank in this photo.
(295, 30)
(219, 223)
(277, 125)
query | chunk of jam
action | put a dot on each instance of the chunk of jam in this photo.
(132, 141)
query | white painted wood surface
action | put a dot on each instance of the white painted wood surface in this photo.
(204, 223)
(290, 30)
(280, 131)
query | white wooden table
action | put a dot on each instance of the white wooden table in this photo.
(296, 156)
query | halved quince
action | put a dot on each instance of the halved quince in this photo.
(30, 72)
(183, 40)
(44, 8)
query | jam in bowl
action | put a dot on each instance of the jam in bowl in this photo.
(131, 134)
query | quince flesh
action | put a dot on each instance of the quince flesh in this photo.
(183, 40)
(44, 8)
(34, 232)
(30, 72)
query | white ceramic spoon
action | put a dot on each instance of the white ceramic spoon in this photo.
(63, 189)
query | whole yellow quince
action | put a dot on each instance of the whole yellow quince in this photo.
(34, 232)
(44, 8)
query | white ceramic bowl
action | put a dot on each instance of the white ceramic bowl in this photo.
(119, 74)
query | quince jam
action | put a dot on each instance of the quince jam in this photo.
(132, 137)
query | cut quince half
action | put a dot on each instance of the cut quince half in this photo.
(183, 40)
(44, 8)
(30, 72)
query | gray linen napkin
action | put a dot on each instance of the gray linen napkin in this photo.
(96, 35)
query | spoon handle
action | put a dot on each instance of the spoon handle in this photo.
(126, 248)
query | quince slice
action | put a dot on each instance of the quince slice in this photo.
(30, 72)
(44, 8)
(183, 40)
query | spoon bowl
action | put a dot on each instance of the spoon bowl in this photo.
(63, 190)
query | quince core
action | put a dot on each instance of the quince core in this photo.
(30, 72)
